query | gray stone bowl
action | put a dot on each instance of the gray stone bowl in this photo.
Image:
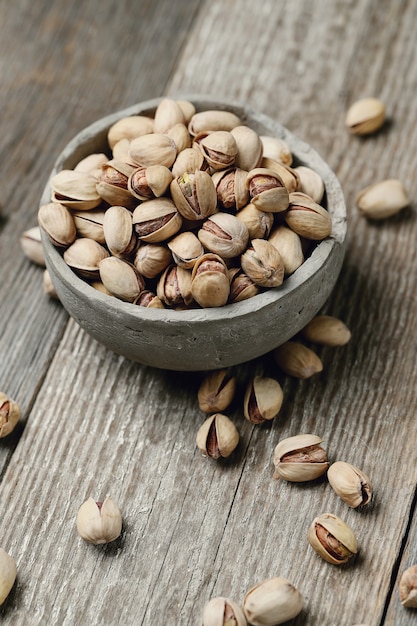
(203, 339)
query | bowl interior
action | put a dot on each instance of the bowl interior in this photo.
(203, 339)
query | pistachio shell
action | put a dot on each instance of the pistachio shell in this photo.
(350, 484)
(217, 436)
(129, 128)
(310, 183)
(156, 220)
(76, 190)
(186, 249)
(267, 190)
(272, 602)
(212, 121)
(263, 399)
(289, 176)
(187, 108)
(153, 149)
(9, 415)
(121, 278)
(223, 612)
(297, 360)
(277, 149)
(210, 284)
(84, 256)
(326, 330)
(258, 223)
(189, 160)
(224, 234)
(219, 149)
(263, 264)
(232, 192)
(289, 245)
(151, 259)
(365, 116)
(58, 223)
(146, 183)
(300, 458)
(180, 136)
(338, 543)
(249, 147)
(7, 574)
(118, 231)
(167, 114)
(174, 287)
(382, 199)
(241, 286)
(194, 195)
(91, 163)
(216, 391)
(90, 224)
(31, 244)
(307, 218)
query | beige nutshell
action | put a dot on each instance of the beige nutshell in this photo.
(297, 360)
(7, 574)
(217, 436)
(9, 415)
(350, 484)
(271, 602)
(300, 458)
(99, 522)
(263, 399)
(365, 116)
(216, 391)
(31, 244)
(222, 611)
(408, 587)
(382, 199)
(326, 330)
(332, 539)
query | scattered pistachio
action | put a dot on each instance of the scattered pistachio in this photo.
(31, 244)
(271, 602)
(223, 612)
(350, 483)
(9, 414)
(300, 458)
(326, 330)
(7, 574)
(216, 391)
(365, 116)
(382, 199)
(263, 399)
(48, 286)
(217, 436)
(99, 522)
(408, 587)
(296, 360)
(332, 539)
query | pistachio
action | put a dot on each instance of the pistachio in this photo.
(365, 116)
(241, 286)
(99, 522)
(263, 399)
(76, 190)
(288, 175)
(180, 136)
(289, 246)
(118, 231)
(90, 224)
(224, 234)
(91, 163)
(31, 244)
(156, 220)
(326, 330)
(194, 195)
(263, 264)
(112, 183)
(212, 121)
(129, 128)
(174, 287)
(7, 575)
(307, 218)
(217, 436)
(9, 414)
(258, 223)
(84, 256)
(277, 149)
(271, 602)
(267, 190)
(300, 458)
(146, 183)
(48, 286)
(382, 199)
(332, 539)
(216, 391)
(408, 587)
(310, 183)
(186, 248)
(149, 300)
(98, 285)
(151, 259)
(153, 149)
(167, 114)
(231, 190)
(296, 360)
(210, 285)
(121, 278)
(189, 160)
(58, 223)
(187, 108)
(223, 612)
(249, 147)
(219, 148)
(350, 483)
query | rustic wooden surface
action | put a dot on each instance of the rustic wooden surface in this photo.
(96, 424)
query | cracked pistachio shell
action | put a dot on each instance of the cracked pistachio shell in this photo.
(258, 223)
(149, 300)
(180, 136)
(267, 190)
(121, 278)
(263, 399)
(31, 244)
(58, 222)
(129, 128)
(174, 287)
(217, 436)
(210, 285)
(332, 539)
(300, 458)
(150, 182)
(118, 231)
(263, 264)
(7, 574)
(307, 218)
(219, 148)
(91, 163)
(231, 190)
(84, 256)
(224, 234)
(310, 183)
(9, 415)
(153, 149)
(408, 587)
(271, 602)
(382, 199)
(365, 116)
(156, 220)
(241, 286)
(326, 330)
(99, 522)
(186, 248)
(289, 245)
(223, 612)
(276, 149)
(76, 190)
(151, 259)
(112, 183)
(194, 195)
(167, 114)
(189, 160)
(350, 484)
(216, 391)
(295, 359)
(206, 121)
(90, 224)
(288, 175)
(249, 147)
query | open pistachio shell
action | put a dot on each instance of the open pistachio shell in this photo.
(156, 220)
(76, 190)
(249, 147)
(58, 222)
(263, 399)
(300, 458)
(210, 284)
(84, 256)
(186, 249)
(332, 539)
(212, 121)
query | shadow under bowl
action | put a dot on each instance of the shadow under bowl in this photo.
(211, 338)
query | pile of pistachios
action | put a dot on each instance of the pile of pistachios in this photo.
(188, 209)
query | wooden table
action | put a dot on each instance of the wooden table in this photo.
(95, 424)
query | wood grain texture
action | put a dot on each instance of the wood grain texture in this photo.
(97, 424)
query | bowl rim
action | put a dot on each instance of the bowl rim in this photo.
(75, 149)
